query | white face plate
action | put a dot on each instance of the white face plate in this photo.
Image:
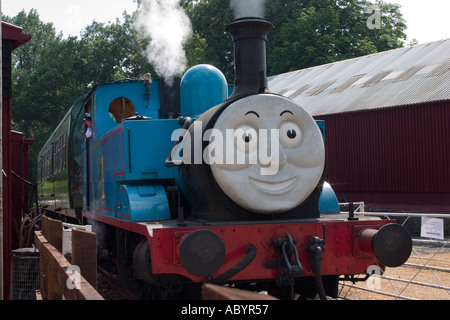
(276, 158)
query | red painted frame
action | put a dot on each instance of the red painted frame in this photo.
(13, 34)
(344, 253)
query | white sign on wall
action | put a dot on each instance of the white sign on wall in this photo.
(432, 228)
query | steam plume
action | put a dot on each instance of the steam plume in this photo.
(248, 8)
(168, 28)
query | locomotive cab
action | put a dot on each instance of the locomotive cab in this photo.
(122, 163)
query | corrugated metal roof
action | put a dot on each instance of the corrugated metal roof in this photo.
(398, 77)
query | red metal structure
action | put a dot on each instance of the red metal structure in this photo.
(12, 38)
(393, 158)
(386, 118)
(19, 170)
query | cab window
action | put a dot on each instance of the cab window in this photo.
(120, 109)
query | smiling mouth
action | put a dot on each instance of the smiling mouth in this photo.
(274, 187)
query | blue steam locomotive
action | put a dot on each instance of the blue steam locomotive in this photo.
(191, 182)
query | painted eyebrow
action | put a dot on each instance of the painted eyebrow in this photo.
(286, 111)
(252, 112)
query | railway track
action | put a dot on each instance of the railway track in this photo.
(109, 287)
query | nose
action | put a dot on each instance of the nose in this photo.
(271, 165)
(282, 157)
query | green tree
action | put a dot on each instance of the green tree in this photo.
(324, 31)
(209, 19)
(24, 58)
(27, 110)
(51, 72)
(307, 32)
(113, 51)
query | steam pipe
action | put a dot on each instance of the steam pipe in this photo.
(250, 37)
(251, 254)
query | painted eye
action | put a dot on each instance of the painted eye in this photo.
(290, 135)
(246, 138)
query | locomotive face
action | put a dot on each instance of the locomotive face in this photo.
(283, 151)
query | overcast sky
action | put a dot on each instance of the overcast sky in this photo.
(71, 16)
(427, 21)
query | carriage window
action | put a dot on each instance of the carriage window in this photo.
(120, 109)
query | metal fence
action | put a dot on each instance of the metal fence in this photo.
(425, 276)
(25, 274)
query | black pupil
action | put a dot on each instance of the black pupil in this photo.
(292, 134)
(247, 137)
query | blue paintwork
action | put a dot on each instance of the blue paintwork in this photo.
(321, 125)
(133, 152)
(328, 203)
(142, 203)
(132, 90)
(202, 88)
(147, 144)
(230, 89)
(127, 160)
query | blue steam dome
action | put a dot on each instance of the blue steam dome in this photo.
(202, 87)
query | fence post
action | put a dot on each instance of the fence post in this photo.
(55, 269)
(52, 231)
(84, 254)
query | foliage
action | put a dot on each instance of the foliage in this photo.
(209, 19)
(307, 32)
(328, 31)
(51, 72)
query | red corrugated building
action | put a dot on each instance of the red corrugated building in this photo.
(12, 38)
(387, 125)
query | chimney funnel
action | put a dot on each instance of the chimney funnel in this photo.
(250, 37)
